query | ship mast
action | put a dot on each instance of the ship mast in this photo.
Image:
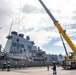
(19, 16)
(10, 27)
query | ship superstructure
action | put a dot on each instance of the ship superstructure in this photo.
(17, 47)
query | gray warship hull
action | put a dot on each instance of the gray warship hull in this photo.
(22, 52)
(22, 63)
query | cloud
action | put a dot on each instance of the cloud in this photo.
(39, 28)
(4, 10)
(74, 12)
(5, 20)
(32, 9)
(59, 43)
(5, 14)
(74, 17)
(58, 11)
(40, 37)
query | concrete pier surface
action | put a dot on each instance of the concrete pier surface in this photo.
(37, 71)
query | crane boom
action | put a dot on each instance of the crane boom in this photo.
(60, 29)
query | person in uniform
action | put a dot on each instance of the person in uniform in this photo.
(47, 67)
(54, 67)
(4, 66)
(8, 66)
(15, 65)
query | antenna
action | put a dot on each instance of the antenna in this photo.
(19, 15)
(10, 27)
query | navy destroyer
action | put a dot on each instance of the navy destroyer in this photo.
(21, 51)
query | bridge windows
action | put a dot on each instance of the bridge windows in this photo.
(18, 45)
(29, 47)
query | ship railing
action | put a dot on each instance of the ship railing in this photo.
(17, 56)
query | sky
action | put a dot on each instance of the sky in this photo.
(30, 18)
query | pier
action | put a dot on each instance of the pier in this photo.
(37, 71)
